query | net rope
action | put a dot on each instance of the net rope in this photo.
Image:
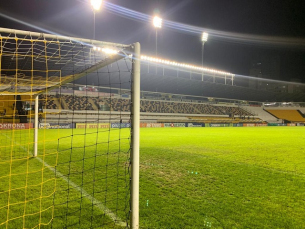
(80, 178)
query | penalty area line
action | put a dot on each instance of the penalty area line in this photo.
(118, 221)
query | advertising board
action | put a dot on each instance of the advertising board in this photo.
(92, 125)
(248, 124)
(195, 125)
(275, 124)
(151, 125)
(291, 124)
(261, 124)
(56, 125)
(143, 125)
(220, 124)
(120, 125)
(154, 125)
(174, 124)
(19, 126)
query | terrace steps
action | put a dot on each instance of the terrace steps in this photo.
(290, 115)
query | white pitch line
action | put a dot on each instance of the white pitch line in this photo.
(96, 202)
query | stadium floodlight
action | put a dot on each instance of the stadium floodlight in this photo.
(157, 22)
(109, 51)
(96, 4)
(204, 37)
(106, 50)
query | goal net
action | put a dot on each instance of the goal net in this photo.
(69, 132)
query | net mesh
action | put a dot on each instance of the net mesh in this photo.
(80, 177)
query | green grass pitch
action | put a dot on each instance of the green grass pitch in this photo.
(252, 177)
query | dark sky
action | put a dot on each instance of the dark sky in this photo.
(258, 23)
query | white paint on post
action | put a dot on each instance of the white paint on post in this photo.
(135, 138)
(36, 127)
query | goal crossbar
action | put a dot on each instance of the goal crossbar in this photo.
(59, 37)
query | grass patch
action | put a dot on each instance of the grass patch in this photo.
(189, 178)
(246, 177)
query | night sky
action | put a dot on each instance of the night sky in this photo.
(268, 28)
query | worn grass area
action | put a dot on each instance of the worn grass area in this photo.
(190, 178)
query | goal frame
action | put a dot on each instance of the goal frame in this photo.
(135, 51)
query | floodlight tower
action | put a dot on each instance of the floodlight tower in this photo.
(96, 5)
(157, 21)
(204, 38)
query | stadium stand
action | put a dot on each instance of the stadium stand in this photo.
(302, 109)
(50, 102)
(167, 109)
(118, 104)
(77, 103)
(289, 115)
(224, 112)
(264, 115)
(149, 106)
